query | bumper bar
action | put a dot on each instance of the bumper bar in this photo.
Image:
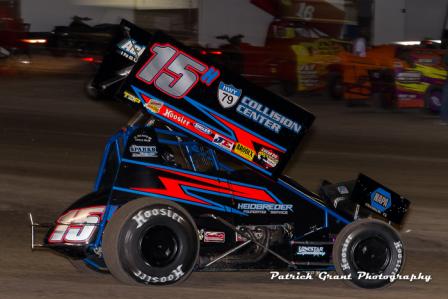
(34, 227)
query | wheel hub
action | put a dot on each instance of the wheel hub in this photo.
(159, 246)
(371, 255)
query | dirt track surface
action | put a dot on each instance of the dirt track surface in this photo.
(51, 141)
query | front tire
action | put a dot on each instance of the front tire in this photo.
(367, 248)
(151, 241)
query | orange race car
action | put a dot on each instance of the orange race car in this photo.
(404, 77)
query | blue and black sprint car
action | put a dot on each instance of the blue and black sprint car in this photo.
(194, 181)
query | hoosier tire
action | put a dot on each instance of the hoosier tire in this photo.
(368, 246)
(151, 241)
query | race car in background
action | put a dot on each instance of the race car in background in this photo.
(80, 38)
(295, 55)
(403, 76)
(312, 63)
(194, 182)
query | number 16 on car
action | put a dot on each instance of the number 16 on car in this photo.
(174, 72)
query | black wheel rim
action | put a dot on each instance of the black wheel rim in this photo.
(371, 255)
(159, 246)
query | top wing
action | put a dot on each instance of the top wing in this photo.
(179, 86)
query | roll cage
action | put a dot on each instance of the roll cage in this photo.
(179, 150)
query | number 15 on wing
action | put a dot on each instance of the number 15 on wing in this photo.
(174, 72)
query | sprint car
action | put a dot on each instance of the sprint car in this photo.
(403, 77)
(194, 182)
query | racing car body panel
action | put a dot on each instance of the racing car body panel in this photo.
(204, 181)
(200, 179)
(405, 75)
(313, 60)
(218, 107)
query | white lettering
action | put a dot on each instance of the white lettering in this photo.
(143, 217)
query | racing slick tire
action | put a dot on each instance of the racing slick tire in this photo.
(91, 91)
(151, 241)
(369, 252)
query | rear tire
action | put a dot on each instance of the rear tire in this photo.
(151, 241)
(91, 91)
(368, 246)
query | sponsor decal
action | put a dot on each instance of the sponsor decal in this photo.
(77, 226)
(129, 49)
(154, 105)
(202, 128)
(247, 143)
(343, 190)
(254, 208)
(129, 96)
(176, 274)
(380, 200)
(244, 151)
(311, 250)
(176, 117)
(407, 96)
(143, 151)
(409, 77)
(228, 95)
(266, 116)
(223, 142)
(142, 138)
(308, 76)
(143, 216)
(428, 61)
(214, 237)
(268, 157)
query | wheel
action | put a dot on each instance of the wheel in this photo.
(434, 98)
(335, 86)
(91, 91)
(151, 241)
(370, 251)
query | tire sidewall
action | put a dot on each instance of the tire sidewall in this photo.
(91, 91)
(123, 248)
(355, 232)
